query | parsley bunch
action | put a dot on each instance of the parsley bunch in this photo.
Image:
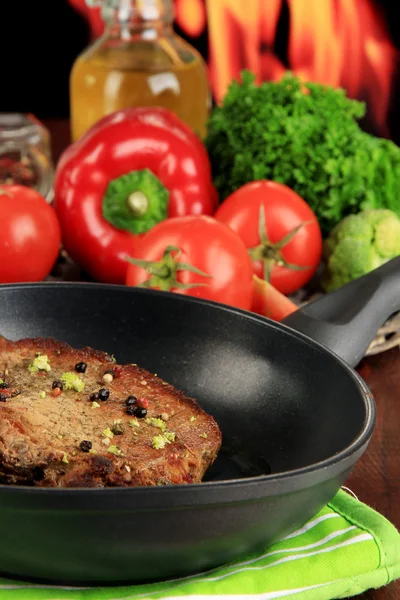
(308, 137)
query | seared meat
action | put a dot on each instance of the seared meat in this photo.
(67, 438)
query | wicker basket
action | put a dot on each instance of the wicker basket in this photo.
(387, 337)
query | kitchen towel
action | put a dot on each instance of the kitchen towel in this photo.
(344, 550)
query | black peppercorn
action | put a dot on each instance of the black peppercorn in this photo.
(80, 367)
(131, 410)
(103, 394)
(140, 412)
(94, 396)
(131, 400)
(57, 384)
(3, 385)
(85, 446)
(3, 397)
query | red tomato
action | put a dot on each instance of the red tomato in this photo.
(284, 211)
(207, 260)
(30, 235)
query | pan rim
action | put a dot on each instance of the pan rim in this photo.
(207, 488)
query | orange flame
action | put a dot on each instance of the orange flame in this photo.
(342, 43)
(191, 16)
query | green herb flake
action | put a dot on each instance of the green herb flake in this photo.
(134, 423)
(42, 394)
(39, 363)
(108, 433)
(95, 405)
(159, 442)
(92, 451)
(156, 423)
(204, 435)
(60, 437)
(65, 458)
(192, 419)
(1, 380)
(114, 450)
(71, 381)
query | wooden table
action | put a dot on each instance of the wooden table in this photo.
(376, 477)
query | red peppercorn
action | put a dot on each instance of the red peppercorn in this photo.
(117, 371)
(143, 402)
(56, 392)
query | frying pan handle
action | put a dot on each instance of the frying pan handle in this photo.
(347, 320)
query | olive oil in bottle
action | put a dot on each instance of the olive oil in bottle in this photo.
(139, 61)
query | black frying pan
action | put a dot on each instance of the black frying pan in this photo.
(294, 416)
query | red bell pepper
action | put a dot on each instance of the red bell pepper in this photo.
(131, 170)
(269, 302)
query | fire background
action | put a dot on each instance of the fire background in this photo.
(353, 44)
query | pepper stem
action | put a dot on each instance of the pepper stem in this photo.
(138, 203)
(164, 273)
(135, 201)
(270, 253)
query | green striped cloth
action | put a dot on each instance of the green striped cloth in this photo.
(344, 550)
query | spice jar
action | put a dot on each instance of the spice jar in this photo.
(139, 61)
(25, 154)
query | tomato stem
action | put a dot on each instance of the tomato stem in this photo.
(164, 273)
(270, 253)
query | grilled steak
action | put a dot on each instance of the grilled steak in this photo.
(74, 418)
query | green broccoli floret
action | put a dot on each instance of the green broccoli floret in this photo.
(359, 244)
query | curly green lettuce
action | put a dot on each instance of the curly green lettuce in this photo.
(306, 136)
